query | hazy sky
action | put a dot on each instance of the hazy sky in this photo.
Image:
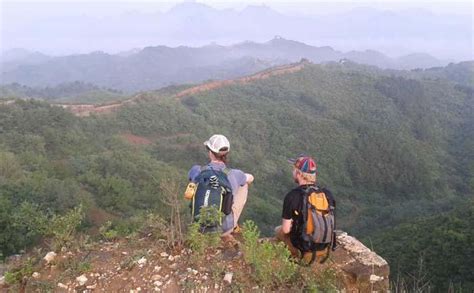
(111, 7)
(35, 24)
(14, 11)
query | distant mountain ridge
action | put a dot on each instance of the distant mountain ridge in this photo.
(14, 58)
(19, 54)
(394, 32)
(159, 66)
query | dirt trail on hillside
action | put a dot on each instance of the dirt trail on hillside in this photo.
(83, 110)
(7, 102)
(135, 139)
(261, 75)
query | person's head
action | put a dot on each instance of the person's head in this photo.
(218, 147)
(304, 170)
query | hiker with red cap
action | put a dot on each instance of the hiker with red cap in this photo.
(308, 221)
(217, 185)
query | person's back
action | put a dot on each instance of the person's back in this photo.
(218, 148)
(308, 214)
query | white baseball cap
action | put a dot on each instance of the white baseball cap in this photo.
(218, 143)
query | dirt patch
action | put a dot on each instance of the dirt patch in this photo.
(135, 139)
(133, 265)
(97, 217)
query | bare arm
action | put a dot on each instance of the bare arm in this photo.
(249, 178)
(286, 225)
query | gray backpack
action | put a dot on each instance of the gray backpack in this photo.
(317, 231)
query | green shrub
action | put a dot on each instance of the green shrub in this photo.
(17, 274)
(251, 235)
(324, 281)
(23, 225)
(209, 215)
(143, 224)
(272, 262)
(107, 232)
(198, 241)
(155, 226)
(73, 267)
(62, 228)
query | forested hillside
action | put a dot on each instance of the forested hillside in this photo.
(435, 251)
(73, 92)
(52, 161)
(392, 148)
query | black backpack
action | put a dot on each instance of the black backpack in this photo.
(213, 189)
(317, 230)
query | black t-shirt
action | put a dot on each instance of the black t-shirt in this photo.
(292, 209)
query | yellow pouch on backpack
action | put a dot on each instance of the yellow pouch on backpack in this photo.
(320, 202)
(190, 191)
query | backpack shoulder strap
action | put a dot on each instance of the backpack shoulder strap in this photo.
(309, 189)
(304, 210)
(330, 197)
(226, 171)
(313, 188)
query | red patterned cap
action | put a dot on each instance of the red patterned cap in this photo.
(305, 164)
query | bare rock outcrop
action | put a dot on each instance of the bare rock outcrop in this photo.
(361, 269)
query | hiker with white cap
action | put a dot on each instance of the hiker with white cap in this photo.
(216, 184)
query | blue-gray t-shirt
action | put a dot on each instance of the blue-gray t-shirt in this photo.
(236, 177)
